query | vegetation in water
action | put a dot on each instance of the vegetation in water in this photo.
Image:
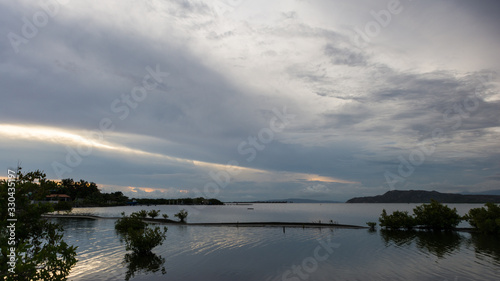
(397, 220)
(182, 215)
(486, 220)
(139, 237)
(371, 225)
(153, 213)
(126, 223)
(435, 216)
(141, 214)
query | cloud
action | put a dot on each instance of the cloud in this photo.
(318, 188)
(359, 105)
(344, 56)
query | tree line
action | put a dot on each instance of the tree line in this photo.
(180, 201)
(87, 194)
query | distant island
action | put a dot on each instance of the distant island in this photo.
(422, 196)
(299, 200)
(289, 200)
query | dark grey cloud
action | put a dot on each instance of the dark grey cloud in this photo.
(345, 56)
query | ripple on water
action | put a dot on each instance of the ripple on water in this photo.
(99, 251)
(267, 253)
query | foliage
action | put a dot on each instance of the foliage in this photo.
(182, 215)
(39, 246)
(88, 194)
(141, 214)
(143, 241)
(84, 193)
(371, 225)
(137, 235)
(485, 220)
(396, 220)
(436, 216)
(165, 216)
(153, 213)
(126, 223)
(81, 189)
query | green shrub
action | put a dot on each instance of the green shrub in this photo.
(371, 225)
(396, 220)
(141, 214)
(181, 215)
(143, 241)
(165, 216)
(125, 223)
(485, 220)
(436, 216)
(153, 213)
(137, 235)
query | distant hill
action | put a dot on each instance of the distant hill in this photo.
(422, 196)
(298, 200)
(489, 192)
(291, 200)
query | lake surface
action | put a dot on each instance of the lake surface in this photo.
(271, 253)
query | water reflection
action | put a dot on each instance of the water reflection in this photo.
(438, 243)
(486, 245)
(137, 262)
(76, 226)
(145, 263)
(398, 237)
(227, 253)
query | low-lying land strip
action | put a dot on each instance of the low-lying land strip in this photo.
(234, 224)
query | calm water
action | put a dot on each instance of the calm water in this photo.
(269, 253)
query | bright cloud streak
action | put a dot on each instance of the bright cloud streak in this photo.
(47, 134)
(63, 137)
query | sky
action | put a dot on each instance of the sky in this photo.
(251, 100)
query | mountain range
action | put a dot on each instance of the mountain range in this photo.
(422, 196)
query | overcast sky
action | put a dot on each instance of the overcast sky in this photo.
(252, 100)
